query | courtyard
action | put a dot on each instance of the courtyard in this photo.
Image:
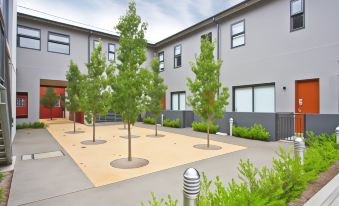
(83, 175)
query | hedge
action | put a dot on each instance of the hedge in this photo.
(33, 125)
(257, 131)
(149, 120)
(202, 127)
(172, 123)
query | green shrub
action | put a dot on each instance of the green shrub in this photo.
(149, 120)
(30, 125)
(172, 123)
(156, 202)
(202, 127)
(257, 131)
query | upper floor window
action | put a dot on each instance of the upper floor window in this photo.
(95, 44)
(297, 14)
(161, 60)
(208, 36)
(238, 34)
(28, 38)
(111, 52)
(177, 56)
(58, 43)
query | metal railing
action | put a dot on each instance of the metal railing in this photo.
(289, 125)
(5, 126)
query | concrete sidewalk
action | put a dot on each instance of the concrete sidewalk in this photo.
(59, 181)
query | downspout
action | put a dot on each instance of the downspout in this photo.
(89, 45)
(218, 46)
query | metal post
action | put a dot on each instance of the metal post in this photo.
(191, 187)
(231, 126)
(299, 148)
(162, 119)
(337, 133)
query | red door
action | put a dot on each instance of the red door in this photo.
(307, 101)
(163, 101)
(22, 105)
(58, 110)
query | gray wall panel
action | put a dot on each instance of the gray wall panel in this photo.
(321, 123)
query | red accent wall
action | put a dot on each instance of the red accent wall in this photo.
(57, 112)
(79, 117)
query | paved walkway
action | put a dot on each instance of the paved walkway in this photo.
(59, 181)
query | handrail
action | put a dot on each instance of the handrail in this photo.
(5, 126)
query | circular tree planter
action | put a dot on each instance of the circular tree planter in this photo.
(132, 136)
(153, 136)
(123, 163)
(90, 142)
(204, 147)
(76, 132)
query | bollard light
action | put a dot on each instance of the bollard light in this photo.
(231, 126)
(299, 148)
(337, 133)
(162, 119)
(191, 187)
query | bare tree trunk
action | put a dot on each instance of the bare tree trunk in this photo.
(74, 121)
(94, 120)
(129, 141)
(156, 129)
(208, 132)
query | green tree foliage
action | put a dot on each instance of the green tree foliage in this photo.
(156, 91)
(205, 100)
(94, 93)
(73, 100)
(49, 100)
(130, 82)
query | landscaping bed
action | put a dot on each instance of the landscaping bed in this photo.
(5, 186)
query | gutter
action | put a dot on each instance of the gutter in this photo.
(218, 48)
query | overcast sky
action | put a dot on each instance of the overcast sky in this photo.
(164, 17)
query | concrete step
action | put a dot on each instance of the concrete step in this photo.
(3, 160)
(2, 154)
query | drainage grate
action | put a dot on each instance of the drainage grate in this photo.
(42, 155)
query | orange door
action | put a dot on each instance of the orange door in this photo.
(163, 103)
(306, 101)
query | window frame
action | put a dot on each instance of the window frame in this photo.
(178, 93)
(175, 56)
(253, 86)
(163, 60)
(58, 42)
(238, 34)
(28, 37)
(209, 35)
(110, 52)
(297, 14)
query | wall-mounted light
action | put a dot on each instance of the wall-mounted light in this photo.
(284, 88)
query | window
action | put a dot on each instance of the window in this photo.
(95, 44)
(161, 61)
(238, 34)
(111, 52)
(58, 43)
(256, 98)
(297, 14)
(28, 38)
(177, 56)
(178, 100)
(208, 36)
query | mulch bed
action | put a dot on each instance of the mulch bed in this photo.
(5, 185)
(316, 185)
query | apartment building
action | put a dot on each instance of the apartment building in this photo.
(7, 78)
(278, 56)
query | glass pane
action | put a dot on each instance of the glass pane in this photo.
(161, 57)
(162, 66)
(296, 7)
(59, 38)
(111, 56)
(177, 61)
(298, 21)
(111, 48)
(96, 44)
(175, 102)
(243, 99)
(177, 50)
(29, 32)
(182, 101)
(238, 40)
(29, 43)
(264, 100)
(60, 48)
(238, 28)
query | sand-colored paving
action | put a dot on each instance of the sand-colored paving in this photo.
(94, 160)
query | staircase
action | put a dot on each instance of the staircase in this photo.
(3, 158)
(5, 136)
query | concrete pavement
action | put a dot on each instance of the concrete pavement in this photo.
(59, 181)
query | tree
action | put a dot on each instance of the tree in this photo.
(49, 100)
(205, 100)
(130, 83)
(74, 78)
(156, 92)
(93, 90)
